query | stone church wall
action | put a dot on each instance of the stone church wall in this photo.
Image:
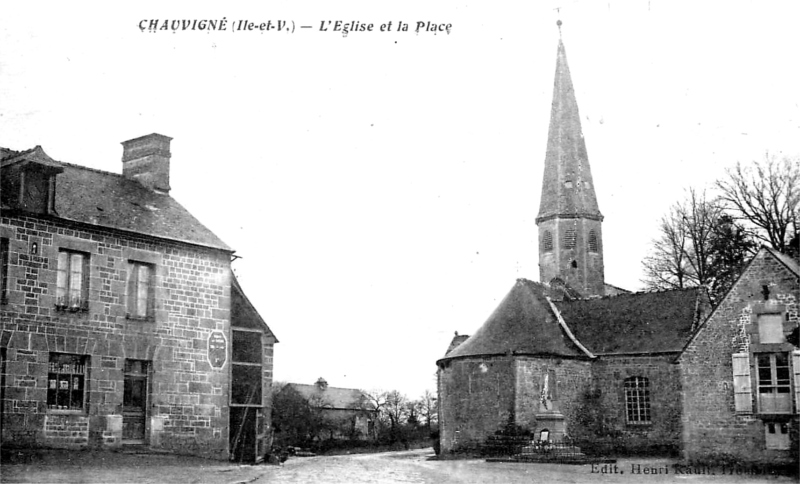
(476, 399)
(712, 429)
(569, 380)
(606, 425)
(188, 399)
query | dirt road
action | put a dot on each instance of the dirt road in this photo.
(416, 466)
(421, 467)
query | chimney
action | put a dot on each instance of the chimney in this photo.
(146, 160)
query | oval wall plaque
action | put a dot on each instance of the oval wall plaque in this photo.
(217, 349)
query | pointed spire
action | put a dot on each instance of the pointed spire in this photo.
(567, 187)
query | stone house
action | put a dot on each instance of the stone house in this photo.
(347, 410)
(121, 317)
(615, 371)
(741, 370)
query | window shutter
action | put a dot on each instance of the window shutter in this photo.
(796, 371)
(742, 391)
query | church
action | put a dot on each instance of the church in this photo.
(574, 359)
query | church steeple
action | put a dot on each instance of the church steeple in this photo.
(569, 220)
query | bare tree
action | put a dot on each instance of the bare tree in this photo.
(680, 255)
(698, 245)
(429, 409)
(766, 195)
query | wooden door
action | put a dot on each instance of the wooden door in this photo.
(134, 402)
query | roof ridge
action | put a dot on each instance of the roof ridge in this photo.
(327, 387)
(96, 170)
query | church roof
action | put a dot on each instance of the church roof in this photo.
(523, 324)
(567, 187)
(110, 200)
(645, 322)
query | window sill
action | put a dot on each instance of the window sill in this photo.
(65, 309)
(59, 411)
(141, 319)
(781, 417)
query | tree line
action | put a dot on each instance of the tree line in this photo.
(378, 418)
(706, 238)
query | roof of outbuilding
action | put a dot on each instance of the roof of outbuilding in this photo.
(332, 397)
(243, 313)
(645, 322)
(110, 200)
(523, 324)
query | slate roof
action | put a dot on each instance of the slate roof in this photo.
(567, 186)
(243, 313)
(634, 323)
(457, 340)
(110, 200)
(523, 324)
(337, 398)
(645, 322)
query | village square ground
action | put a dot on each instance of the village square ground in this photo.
(416, 466)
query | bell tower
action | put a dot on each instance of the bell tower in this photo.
(569, 220)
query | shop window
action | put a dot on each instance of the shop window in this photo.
(66, 382)
(72, 281)
(141, 293)
(774, 385)
(637, 400)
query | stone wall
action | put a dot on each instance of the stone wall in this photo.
(187, 397)
(476, 399)
(614, 433)
(570, 380)
(712, 429)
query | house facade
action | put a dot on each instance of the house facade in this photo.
(116, 320)
(741, 370)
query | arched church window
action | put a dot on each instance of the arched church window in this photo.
(592, 241)
(547, 241)
(569, 239)
(637, 400)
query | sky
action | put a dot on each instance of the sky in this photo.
(380, 188)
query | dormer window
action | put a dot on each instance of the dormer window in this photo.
(28, 181)
(35, 191)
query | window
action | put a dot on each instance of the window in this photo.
(592, 241)
(66, 382)
(3, 271)
(569, 239)
(140, 290)
(637, 400)
(72, 283)
(770, 328)
(777, 435)
(547, 241)
(774, 387)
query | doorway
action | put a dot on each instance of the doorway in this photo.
(134, 401)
